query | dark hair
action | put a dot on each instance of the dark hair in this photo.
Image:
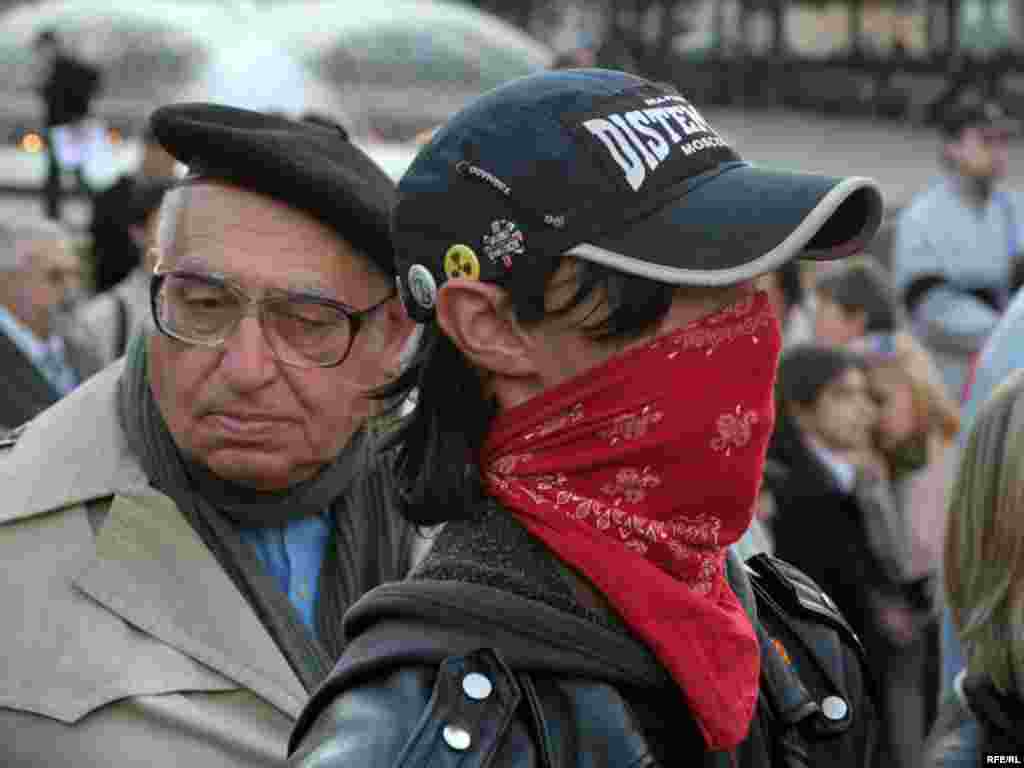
(146, 196)
(438, 443)
(804, 371)
(790, 284)
(863, 286)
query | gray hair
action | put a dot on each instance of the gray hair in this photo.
(172, 207)
(18, 236)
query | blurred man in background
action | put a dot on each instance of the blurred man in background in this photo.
(852, 300)
(40, 275)
(116, 247)
(109, 319)
(958, 240)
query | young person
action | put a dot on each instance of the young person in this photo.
(836, 518)
(594, 401)
(917, 424)
(852, 300)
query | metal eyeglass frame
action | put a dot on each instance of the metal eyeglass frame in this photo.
(251, 305)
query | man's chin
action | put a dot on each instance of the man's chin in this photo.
(256, 470)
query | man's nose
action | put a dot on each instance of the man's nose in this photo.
(248, 362)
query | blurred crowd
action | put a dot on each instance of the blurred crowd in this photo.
(882, 370)
(886, 360)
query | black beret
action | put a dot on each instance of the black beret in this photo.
(310, 166)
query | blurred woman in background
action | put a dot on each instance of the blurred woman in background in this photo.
(917, 424)
(984, 580)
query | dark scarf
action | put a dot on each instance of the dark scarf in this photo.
(359, 553)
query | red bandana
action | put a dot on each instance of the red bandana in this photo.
(639, 474)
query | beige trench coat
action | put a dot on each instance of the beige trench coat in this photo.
(124, 643)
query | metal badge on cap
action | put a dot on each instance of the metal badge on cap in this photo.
(461, 261)
(504, 241)
(422, 286)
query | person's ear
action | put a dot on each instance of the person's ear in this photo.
(479, 320)
(395, 331)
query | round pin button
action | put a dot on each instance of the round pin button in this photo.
(461, 261)
(422, 286)
(457, 738)
(477, 686)
(834, 708)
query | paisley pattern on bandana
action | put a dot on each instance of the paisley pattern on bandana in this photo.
(639, 473)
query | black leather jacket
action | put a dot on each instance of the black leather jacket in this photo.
(450, 672)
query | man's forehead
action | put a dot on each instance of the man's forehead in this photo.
(218, 206)
(259, 242)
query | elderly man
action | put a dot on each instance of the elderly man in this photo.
(181, 536)
(40, 272)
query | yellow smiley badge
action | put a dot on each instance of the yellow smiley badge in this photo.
(461, 261)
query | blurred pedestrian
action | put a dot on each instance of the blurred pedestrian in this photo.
(1002, 354)
(957, 242)
(984, 575)
(182, 535)
(108, 320)
(854, 299)
(116, 249)
(917, 424)
(41, 273)
(67, 88)
(592, 412)
(836, 518)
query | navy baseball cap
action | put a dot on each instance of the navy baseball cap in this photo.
(611, 168)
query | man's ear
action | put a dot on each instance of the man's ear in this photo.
(479, 320)
(398, 329)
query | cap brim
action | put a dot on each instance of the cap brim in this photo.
(742, 223)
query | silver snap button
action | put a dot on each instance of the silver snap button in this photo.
(477, 686)
(834, 708)
(457, 738)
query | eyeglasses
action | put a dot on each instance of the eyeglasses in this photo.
(301, 330)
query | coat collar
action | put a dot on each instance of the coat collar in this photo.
(74, 471)
(152, 569)
(149, 566)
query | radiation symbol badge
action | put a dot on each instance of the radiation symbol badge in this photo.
(461, 261)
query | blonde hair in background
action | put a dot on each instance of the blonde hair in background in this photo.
(935, 410)
(984, 549)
